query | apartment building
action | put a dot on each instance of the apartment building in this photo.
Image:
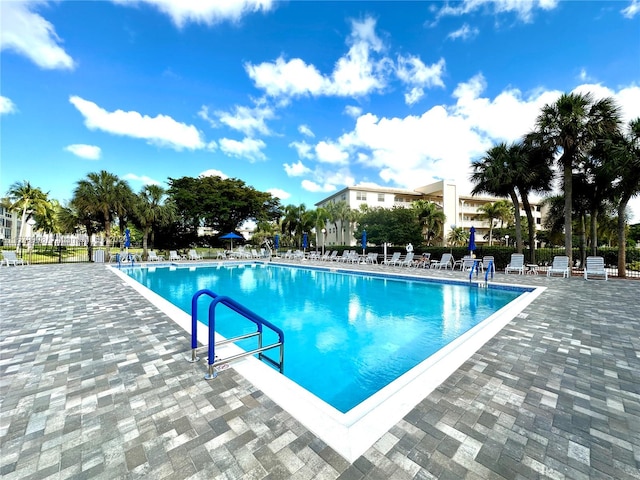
(460, 210)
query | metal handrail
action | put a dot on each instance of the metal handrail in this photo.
(476, 267)
(245, 312)
(490, 268)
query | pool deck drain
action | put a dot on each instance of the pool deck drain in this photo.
(94, 384)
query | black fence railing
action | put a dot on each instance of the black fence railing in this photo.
(72, 252)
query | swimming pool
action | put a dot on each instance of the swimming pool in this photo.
(390, 344)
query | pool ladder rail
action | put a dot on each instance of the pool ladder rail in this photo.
(213, 361)
(476, 267)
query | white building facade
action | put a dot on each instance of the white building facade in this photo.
(460, 210)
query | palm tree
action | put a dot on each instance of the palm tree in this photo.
(457, 237)
(28, 200)
(152, 209)
(339, 212)
(102, 194)
(492, 175)
(625, 152)
(491, 211)
(570, 126)
(432, 219)
(318, 218)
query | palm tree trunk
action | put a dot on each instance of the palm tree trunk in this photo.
(568, 205)
(516, 211)
(622, 241)
(531, 228)
(583, 238)
(594, 232)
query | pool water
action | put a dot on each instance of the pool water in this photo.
(347, 335)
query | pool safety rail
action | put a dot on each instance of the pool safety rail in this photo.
(490, 268)
(260, 322)
(475, 267)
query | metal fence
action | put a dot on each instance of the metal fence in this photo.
(75, 251)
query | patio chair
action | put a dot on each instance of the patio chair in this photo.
(445, 261)
(560, 266)
(153, 257)
(595, 268)
(372, 258)
(395, 258)
(489, 262)
(407, 261)
(516, 264)
(331, 257)
(175, 256)
(425, 261)
(194, 255)
(9, 257)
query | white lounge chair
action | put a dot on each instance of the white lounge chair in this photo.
(488, 262)
(595, 268)
(407, 261)
(395, 258)
(175, 256)
(193, 255)
(560, 266)
(445, 261)
(331, 257)
(153, 257)
(372, 258)
(9, 257)
(468, 263)
(516, 264)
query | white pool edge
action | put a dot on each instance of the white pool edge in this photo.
(351, 434)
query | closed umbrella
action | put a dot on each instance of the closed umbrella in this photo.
(276, 243)
(305, 241)
(364, 241)
(231, 236)
(472, 240)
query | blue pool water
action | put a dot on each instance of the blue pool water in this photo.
(347, 335)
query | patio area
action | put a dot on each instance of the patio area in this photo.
(94, 383)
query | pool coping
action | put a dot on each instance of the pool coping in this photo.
(351, 433)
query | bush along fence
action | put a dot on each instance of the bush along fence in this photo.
(61, 253)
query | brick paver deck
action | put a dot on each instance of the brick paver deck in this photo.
(94, 384)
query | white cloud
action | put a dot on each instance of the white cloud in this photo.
(143, 179)
(90, 152)
(306, 131)
(465, 33)
(304, 149)
(522, 8)
(248, 148)
(6, 106)
(160, 130)
(413, 96)
(353, 111)
(411, 70)
(27, 33)
(213, 173)
(279, 193)
(247, 120)
(296, 169)
(328, 152)
(314, 187)
(354, 74)
(207, 12)
(632, 10)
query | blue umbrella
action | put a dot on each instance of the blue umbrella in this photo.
(276, 242)
(127, 237)
(364, 240)
(305, 241)
(231, 236)
(472, 239)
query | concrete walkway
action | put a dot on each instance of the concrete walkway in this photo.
(94, 384)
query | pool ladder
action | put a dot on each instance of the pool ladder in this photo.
(476, 267)
(260, 322)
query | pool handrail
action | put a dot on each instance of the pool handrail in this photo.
(245, 312)
(490, 268)
(476, 267)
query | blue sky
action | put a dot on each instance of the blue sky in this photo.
(297, 98)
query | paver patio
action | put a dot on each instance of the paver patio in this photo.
(94, 384)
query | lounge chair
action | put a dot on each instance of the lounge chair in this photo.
(331, 257)
(488, 262)
(395, 258)
(407, 261)
(153, 257)
(468, 264)
(372, 258)
(425, 261)
(460, 263)
(193, 255)
(445, 261)
(560, 266)
(175, 256)
(9, 257)
(595, 268)
(516, 264)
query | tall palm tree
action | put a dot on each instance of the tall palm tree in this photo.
(458, 236)
(28, 200)
(104, 194)
(570, 127)
(492, 175)
(432, 219)
(318, 218)
(490, 212)
(152, 209)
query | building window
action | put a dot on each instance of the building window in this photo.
(538, 221)
(344, 196)
(361, 196)
(381, 197)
